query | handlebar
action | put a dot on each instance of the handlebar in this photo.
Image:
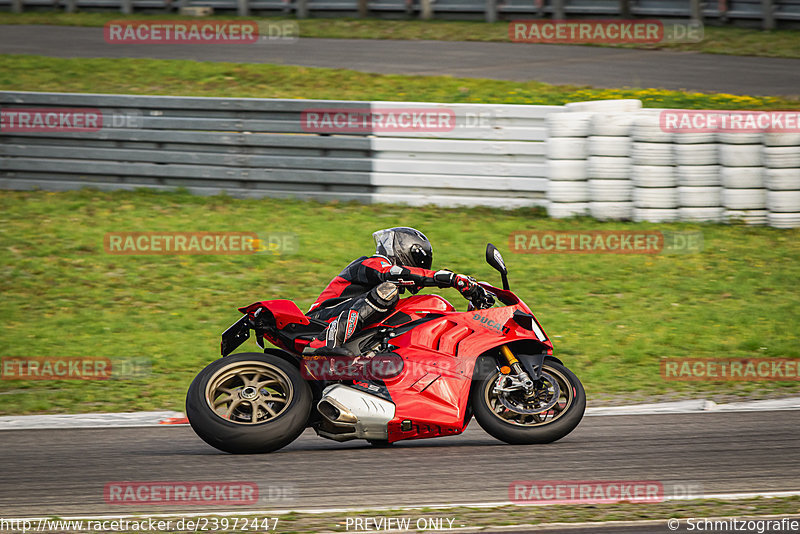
(482, 299)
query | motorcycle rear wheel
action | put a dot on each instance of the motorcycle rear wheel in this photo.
(248, 403)
(513, 427)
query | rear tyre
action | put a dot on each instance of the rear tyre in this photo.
(249, 403)
(513, 427)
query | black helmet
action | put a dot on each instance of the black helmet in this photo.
(404, 246)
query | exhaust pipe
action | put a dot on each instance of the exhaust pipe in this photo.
(349, 413)
(335, 412)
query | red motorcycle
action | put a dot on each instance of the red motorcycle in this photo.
(422, 372)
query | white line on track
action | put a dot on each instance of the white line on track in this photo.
(714, 496)
(164, 418)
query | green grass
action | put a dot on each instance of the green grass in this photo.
(612, 317)
(191, 78)
(717, 40)
(537, 516)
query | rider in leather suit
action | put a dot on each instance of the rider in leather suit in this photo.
(367, 289)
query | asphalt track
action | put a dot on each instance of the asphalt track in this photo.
(558, 64)
(63, 472)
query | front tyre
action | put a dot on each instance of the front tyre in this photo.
(512, 417)
(248, 403)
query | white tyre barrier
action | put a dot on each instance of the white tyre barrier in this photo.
(741, 138)
(783, 201)
(784, 220)
(608, 168)
(782, 139)
(701, 214)
(612, 124)
(655, 215)
(749, 217)
(609, 146)
(744, 199)
(742, 177)
(567, 191)
(782, 179)
(702, 154)
(700, 197)
(653, 176)
(693, 138)
(741, 155)
(606, 211)
(568, 124)
(566, 148)
(782, 157)
(698, 175)
(652, 153)
(647, 128)
(610, 190)
(655, 197)
(563, 170)
(562, 210)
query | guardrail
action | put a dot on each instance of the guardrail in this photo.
(765, 13)
(608, 159)
(483, 155)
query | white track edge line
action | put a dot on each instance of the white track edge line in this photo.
(311, 511)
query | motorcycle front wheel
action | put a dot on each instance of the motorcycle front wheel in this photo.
(248, 403)
(516, 418)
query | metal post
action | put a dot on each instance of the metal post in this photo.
(768, 15)
(425, 9)
(71, 6)
(696, 8)
(126, 7)
(558, 10)
(16, 6)
(242, 8)
(363, 8)
(491, 11)
(301, 6)
(625, 9)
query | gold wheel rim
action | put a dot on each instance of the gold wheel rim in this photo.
(249, 393)
(565, 400)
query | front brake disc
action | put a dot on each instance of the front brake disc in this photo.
(535, 400)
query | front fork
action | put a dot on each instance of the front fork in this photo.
(516, 366)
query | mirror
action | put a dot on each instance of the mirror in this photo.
(494, 259)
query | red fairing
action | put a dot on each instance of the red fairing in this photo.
(439, 355)
(285, 311)
(420, 305)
